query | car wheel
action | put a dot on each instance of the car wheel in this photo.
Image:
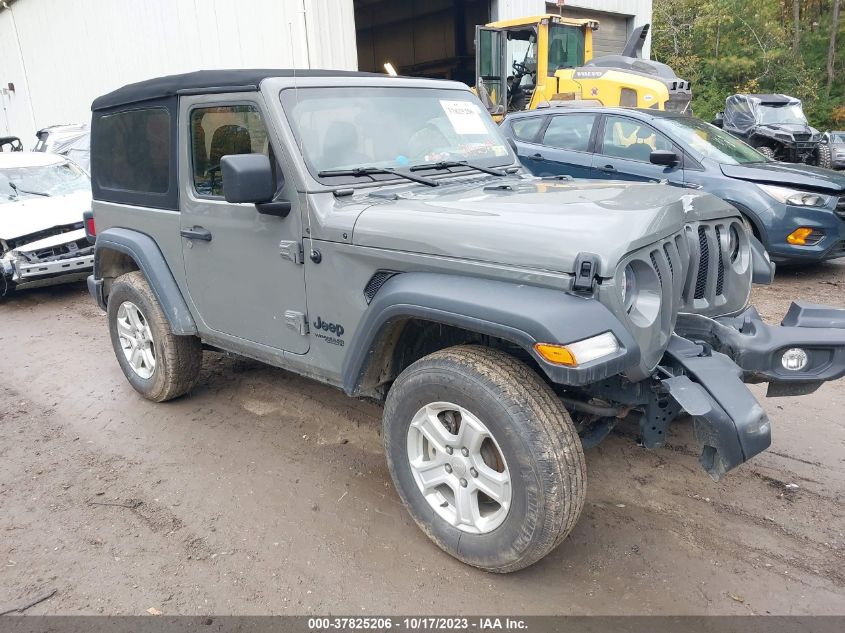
(484, 456)
(158, 364)
(768, 152)
(825, 157)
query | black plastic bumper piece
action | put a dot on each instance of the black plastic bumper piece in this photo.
(758, 348)
(95, 287)
(729, 422)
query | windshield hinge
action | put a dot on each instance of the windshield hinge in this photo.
(292, 250)
(586, 271)
(296, 321)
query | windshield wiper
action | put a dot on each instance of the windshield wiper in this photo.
(19, 191)
(371, 171)
(445, 164)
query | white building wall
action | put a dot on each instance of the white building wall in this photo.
(71, 51)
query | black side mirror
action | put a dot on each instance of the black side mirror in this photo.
(249, 178)
(663, 157)
(719, 119)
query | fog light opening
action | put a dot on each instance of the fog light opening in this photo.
(805, 236)
(795, 359)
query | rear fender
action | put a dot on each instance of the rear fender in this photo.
(146, 254)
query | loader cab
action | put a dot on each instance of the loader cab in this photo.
(516, 60)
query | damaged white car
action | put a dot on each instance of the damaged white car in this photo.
(42, 235)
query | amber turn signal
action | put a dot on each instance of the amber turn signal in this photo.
(557, 354)
(804, 236)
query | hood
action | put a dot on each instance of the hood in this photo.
(533, 223)
(788, 128)
(804, 177)
(33, 214)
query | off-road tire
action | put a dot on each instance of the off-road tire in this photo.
(178, 358)
(536, 437)
(768, 152)
(825, 158)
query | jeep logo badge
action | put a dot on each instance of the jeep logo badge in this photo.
(334, 328)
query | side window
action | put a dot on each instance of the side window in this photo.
(632, 140)
(218, 131)
(526, 129)
(570, 131)
(138, 159)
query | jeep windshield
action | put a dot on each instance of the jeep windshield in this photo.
(41, 180)
(781, 115)
(707, 141)
(357, 135)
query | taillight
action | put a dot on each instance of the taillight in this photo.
(90, 226)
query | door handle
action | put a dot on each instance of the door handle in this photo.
(196, 233)
(608, 168)
(537, 156)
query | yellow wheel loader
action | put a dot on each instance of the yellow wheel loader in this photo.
(527, 62)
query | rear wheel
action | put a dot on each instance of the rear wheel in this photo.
(157, 363)
(484, 456)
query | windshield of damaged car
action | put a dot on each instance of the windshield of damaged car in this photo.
(707, 141)
(786, 114)
(390, 128)
(41, 180)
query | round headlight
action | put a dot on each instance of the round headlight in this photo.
(629, 288)
(733, 243)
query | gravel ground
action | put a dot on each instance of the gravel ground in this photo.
(266, 493)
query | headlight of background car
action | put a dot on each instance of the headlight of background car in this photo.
(641, 293)
(795, 197)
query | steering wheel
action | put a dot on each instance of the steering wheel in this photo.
(520, 69)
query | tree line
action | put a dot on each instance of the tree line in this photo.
(723, 47)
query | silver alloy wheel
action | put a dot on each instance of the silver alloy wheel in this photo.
(459, 467)
(136, 339)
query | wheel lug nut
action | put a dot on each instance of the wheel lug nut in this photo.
(465, 451)
(448, 468)
(463, 482)
(449, 450)
(473, 472)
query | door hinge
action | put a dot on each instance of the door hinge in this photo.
(296, 321)
(292, 250)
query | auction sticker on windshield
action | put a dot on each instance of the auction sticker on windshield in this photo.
(464, 117)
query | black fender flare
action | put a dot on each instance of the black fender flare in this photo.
(518, 313)
(146, 254)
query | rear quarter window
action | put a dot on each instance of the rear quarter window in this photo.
(526, 129)
(133, 151)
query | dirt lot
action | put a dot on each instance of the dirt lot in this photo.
(263, 492)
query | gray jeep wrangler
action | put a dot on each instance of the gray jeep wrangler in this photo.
(378, 234)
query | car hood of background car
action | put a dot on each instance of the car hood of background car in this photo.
(804, 177)
(533, 224)
(33, 214)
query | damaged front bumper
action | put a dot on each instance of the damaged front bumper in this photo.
(59, 258)
(708, 361)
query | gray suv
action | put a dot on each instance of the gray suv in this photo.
(378, 234)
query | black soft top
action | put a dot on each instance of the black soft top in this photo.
(769, 99)
(200, 81)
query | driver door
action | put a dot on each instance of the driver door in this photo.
(239, 279)
(491, 74)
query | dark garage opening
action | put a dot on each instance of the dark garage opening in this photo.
(423, 38)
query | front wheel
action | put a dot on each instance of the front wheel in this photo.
(825, 158)
(484, 456)
(768, 152)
